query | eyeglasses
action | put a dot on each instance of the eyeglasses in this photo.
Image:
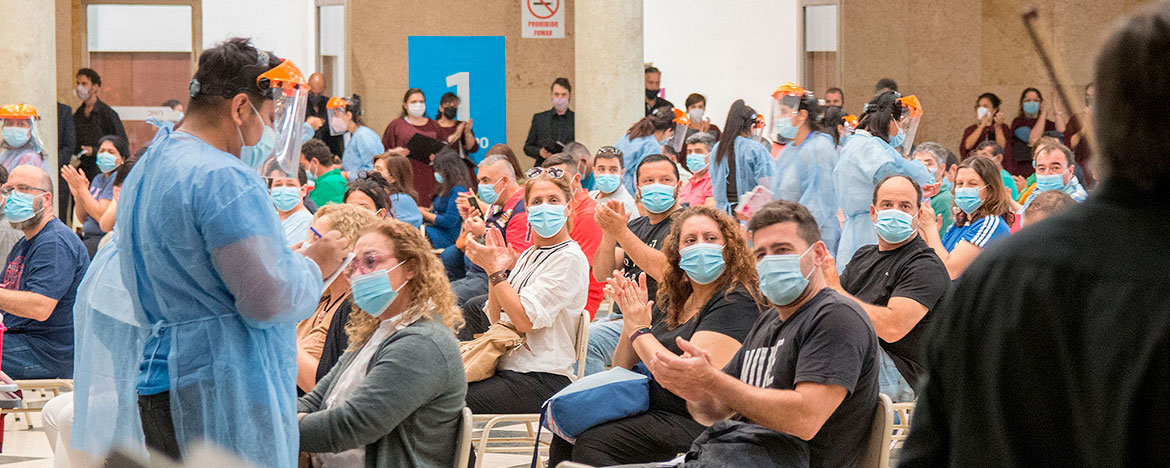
(610, 150)
(552, 172)
(5, 192)
(365, 263)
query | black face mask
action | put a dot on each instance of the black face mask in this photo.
(449, 112)
(651, 93)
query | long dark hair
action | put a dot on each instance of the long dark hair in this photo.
(449, 165)
(740, 119)
(996, 202)
(833, 117)
(816, 116)
(355, 109)
(883, 109)
(403, 174)
(661, 119)
(1025, 93)
(406, 97)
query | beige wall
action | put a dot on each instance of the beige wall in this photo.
(947, 52)
(377, 62)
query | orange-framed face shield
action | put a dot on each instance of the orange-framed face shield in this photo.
(289, 91)
(18, 125)
(785, 105)
(681, 121)
(908, 123)
(336, 107)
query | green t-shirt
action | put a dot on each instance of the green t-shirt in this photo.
(1009, 182)
(330, 188)
(942, 204)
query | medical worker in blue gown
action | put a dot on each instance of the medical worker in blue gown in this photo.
(645, 137)
(203, 257)
(737, 153)
(870, 156)
(804, 169)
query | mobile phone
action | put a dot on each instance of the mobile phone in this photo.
(473, 201)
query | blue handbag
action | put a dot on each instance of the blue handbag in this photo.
(596, 399)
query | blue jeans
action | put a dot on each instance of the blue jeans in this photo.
(452, 259)
(891, 381)
(603, 340)
(22, 362)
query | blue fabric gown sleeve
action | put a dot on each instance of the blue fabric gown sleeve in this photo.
(902, 166)
(447, 216)
(269, 282)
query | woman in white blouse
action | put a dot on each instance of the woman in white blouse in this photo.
(543, 298)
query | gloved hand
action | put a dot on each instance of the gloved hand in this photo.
(328, 252)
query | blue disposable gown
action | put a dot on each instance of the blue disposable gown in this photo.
(866, 160)
(804, 174)
(753, 166)
(633, 152)
(360, 150)
(205, 261)
(108, 336)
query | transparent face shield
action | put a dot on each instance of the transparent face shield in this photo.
(908, 123)
(681, 122)
(20, 133)
(336, 121)
(784, 109)
(290, 97)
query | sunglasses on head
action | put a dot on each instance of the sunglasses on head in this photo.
(551, 172)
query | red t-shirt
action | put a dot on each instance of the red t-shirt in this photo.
(588, 235)
(397, 134)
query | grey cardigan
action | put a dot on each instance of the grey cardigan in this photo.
(406, 411)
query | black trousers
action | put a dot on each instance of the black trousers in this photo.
(653, 436)
(475, 321)
(510, 392)
(157, 425)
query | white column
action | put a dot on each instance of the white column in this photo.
(28, 67)
(608, 92)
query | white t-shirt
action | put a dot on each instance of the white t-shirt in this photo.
(553, 284)
(620, 195)
(296, 226)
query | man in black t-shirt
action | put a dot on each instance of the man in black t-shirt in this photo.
(633, 245)
(896, 282)
(815, 357)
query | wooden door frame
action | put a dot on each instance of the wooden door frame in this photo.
(803, 54)
(81, 31)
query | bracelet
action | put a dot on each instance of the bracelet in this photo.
(497, 277)
(639, 332)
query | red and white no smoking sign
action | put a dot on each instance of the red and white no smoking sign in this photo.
(542, 19)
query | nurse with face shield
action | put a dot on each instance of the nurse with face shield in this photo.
(204, 259)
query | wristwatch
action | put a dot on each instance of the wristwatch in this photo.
(639, 332)
(497, 277)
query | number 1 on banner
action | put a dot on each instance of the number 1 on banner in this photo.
(462, 83)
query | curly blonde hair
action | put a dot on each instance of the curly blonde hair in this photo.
(430, 288)
(740, 270)
(349, 220)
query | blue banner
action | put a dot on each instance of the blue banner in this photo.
(471, 67)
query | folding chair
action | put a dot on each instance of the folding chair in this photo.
(466, 425)
(523, 444)
(901, 427)
(36, 391)
(877, 447)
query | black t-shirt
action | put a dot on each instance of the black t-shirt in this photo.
(653, 235)
(912, 271)
(829, 340)
(732, 314)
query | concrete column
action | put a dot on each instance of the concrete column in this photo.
(607, 93)
(28, 67)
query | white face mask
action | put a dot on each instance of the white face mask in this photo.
(416, 109)
(82, 92)
(981, 112)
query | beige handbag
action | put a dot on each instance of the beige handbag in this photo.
(482, 355)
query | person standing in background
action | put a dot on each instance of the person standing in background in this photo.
(1032, 123)
(361, 143)
(989, 126)
(413, 121)
(697, 114)
(552, 128)
(456, 134)
(66, 141)
(318, 107)
(93, 119)
(653, 89)
(835, 97)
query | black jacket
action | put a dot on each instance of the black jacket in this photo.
(549, 131)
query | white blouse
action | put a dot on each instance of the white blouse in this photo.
(553, 284)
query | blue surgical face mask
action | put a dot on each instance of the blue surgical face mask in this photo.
(1032, 107)
(703, 263)
(607, 183)
(967, 199)
(894, 226)
(373, 293)
(106, 162)
(487, 193)
(1046, 182)
(657, 198)
(785, 129)
(546, 219)
(285, 198)
(16, 136)
(255, 155)
(438, 177)
(897, 139)
(781, 279)
(696, 162)
(19, 207)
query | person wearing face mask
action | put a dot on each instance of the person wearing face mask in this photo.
(711, 298)
(583, 162)
(609, 166)
(629, 248)
(361, 143)
(1055, 169)
(937, 161)
(644, 138)
(697, 190)
(92, 199)
(804, 169)
(542, 297)
(897, 282)
(287, 195)
(93, 120)
(738, 163)
(1035, 120)
(328, 182)
(456, 133)
(654, 100)
(401, 330)
(442, 218)
(868, 157)
(19, 142)
(697, 115)
(585, 230)
(40, 281)
(206, 260)
(813, 355)
(414, 121)
(988, 126)
(552, 128)
(983, 216)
